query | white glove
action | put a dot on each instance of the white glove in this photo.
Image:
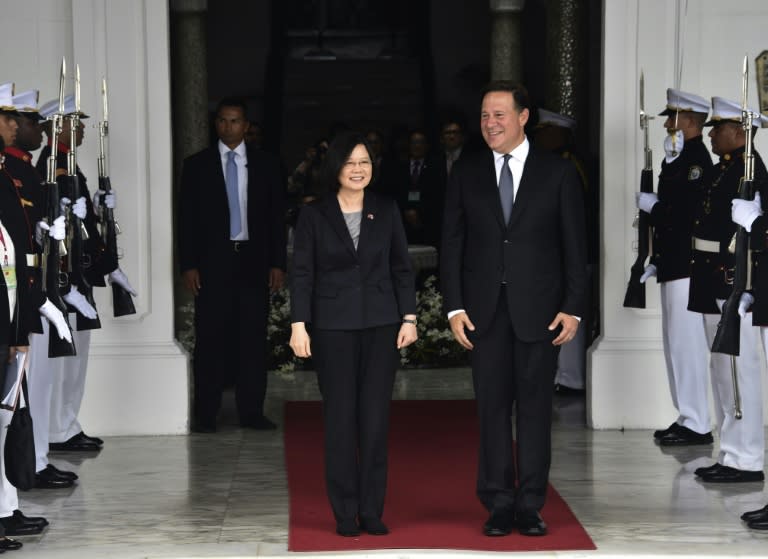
(54, 316)
(646, 200)
(110, 200)
(79, 207)
(745, 302)
(57, 232)
(673, 146)
(117, 276)
(77, 300)
(650, 272)
(745, 212)
(41, 228)
(64, 202)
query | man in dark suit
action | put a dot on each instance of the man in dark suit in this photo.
(513, 273)
(232, 251)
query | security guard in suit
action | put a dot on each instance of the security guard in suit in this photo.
(742, 442)
(671, 214)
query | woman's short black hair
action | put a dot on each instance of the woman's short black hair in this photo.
(339, 150)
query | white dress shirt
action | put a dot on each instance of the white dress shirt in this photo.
(241, 160)
(516, 163)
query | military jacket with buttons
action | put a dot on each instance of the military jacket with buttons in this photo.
(712, 272)
(758, 244)
(680, 184)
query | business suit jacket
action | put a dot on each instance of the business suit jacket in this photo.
(334, 286)
(542, 249)
(204, 239)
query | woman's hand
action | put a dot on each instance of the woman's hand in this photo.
(300, 343)
(407, 335)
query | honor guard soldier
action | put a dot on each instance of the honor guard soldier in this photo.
(742, 441)
(554, 132)
(671, 214)
(66, 434)
(18, 276)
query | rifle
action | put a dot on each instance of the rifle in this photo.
(635, 296)
(727, 336)
(122, 301)
(78, 259)
(54, 281)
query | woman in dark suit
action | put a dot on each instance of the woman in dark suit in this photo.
(352, 281)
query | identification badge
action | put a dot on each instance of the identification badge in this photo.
(9, 274)
(414, 196)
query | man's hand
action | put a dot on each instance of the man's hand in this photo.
(300, 342)
(745, 212)
(276, 279)
(649, 272)
(646, 200)
(54, 316)
(191, 280)
(745, 302)
(79, 208)
(460, 322)
(569, 324)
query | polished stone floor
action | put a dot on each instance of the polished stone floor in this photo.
(224, 495)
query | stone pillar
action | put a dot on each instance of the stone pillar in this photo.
(506, 40)
(566, 58)
(189, 88)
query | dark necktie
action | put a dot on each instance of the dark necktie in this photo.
(233, 196)
(415, 172)
(506, 188)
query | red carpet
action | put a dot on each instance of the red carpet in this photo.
(431, 502)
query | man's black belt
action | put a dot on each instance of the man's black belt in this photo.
(239, 246)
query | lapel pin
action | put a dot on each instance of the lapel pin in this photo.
(369, 216)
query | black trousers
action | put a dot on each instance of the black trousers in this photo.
(231, 331)
(507, 371)
(356, 373)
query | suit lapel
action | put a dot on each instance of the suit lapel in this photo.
(332, 211)
(527, 184)
(367, 220)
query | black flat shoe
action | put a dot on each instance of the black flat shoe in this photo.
(706, 470)
(661, 432)
(374, 526)
(34, 520)
(530, 523)
(347, 528)
(683, 436)
(499, 523)
(755, 514)
(726, 474)
(9, 544)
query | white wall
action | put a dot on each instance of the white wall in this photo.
(137, 376)
(628, 383)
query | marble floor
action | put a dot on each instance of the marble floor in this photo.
(224, 495)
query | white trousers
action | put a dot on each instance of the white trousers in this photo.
(742, 441)
(686, 353)
(68, 388)
(40, 374)
(9, 495)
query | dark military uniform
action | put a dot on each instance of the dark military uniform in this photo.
(742, 442)
(683, 336)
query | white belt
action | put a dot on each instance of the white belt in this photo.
(706, 246)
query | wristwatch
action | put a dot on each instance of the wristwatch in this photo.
(409, 321)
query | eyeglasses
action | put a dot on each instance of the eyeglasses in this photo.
(365, 163)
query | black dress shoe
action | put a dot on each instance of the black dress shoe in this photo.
(755, 514)
(760, 523)
(9, 544)
(75, 443)
(706, 470)
(562, 390)
(347, 528)
(726, 474)
(260, 423)
(682, 436)
(16, 526)
(48, 479)
(39, 520)
(661, 432)
(55, 472)
(499, 523)
(530, 523)
(373, 526)
(95, 440)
